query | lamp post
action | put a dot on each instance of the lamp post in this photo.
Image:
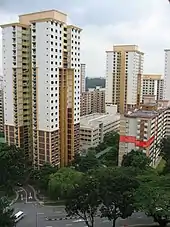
(37, 214)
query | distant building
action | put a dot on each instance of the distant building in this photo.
(124, 69)
(92, 101)
(153, 85)
(166, 93)
(83, 78)
(93, 127)
(144, 128)
(1, 106)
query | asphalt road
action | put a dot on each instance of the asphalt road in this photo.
(36, 216)
(26, 194)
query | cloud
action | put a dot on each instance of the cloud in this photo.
(141, 22)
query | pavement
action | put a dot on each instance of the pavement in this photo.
(37, 215)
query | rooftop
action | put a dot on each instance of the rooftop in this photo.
(93, 120)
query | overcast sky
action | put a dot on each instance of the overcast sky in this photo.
(107, 22)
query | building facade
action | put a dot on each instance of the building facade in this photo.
(83, 78)
(1, 106)
(166, 93)
(93, 127)
(93, 101)
(41, 66)
(153, 85)
(143, 129)
(124, 69)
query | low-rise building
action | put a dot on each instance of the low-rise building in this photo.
(144, 128)
(93, 127)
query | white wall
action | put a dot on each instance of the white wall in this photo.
(7, 73)
(49, 59)
(109, 77)
(167, 76)
(74, 38)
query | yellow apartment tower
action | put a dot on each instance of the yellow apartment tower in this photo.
(124, 68)
(41, 67)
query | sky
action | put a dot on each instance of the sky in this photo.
(106, 23)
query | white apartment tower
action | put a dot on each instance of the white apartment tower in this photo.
(51, 51)
(153, 85)
(124, 69)
(83, 78)
(166, 93)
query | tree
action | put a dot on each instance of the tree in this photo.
(87, 162)
(165, 148)
(6, 213)
(41, 176)
(110, 159)
(116, 190)
(61, 182)
(165, 153)
(136, 159)
(83, 200)
(112, 139)
(154, 201)
(13, 166)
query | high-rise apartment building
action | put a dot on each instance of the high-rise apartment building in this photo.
(166, 93)
(144, 129)
(41, 62)
(1, 106)
(83, 77)
(92, 101)
(124, 68)
(153, 85)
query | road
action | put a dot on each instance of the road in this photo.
(36, 216)
(26, 194)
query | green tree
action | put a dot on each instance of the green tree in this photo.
(165, 153)
(87, 163)
(165, 148)
(111, 139)
(61, 182)
(116, 188)
(83, 200)
(110, 159)
(40, 177)
(136, 159)
(154, 201)
(6, 213)
(13, 166)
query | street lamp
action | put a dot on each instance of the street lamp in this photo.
(37, 214)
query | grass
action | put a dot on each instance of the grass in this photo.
(161, 166)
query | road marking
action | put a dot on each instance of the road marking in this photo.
(48, 226)
(79, 220)
(105, 221)
(68, 224)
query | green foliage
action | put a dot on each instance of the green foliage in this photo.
(110, 159)
(61, 182)
(13, 165)
(41, 176)
(116, 188)
(83, 200)
(136, 159)
(6, 213)
(93, 82)
(165, 153)
(154, 199)
(86, 163)
(165, 148)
